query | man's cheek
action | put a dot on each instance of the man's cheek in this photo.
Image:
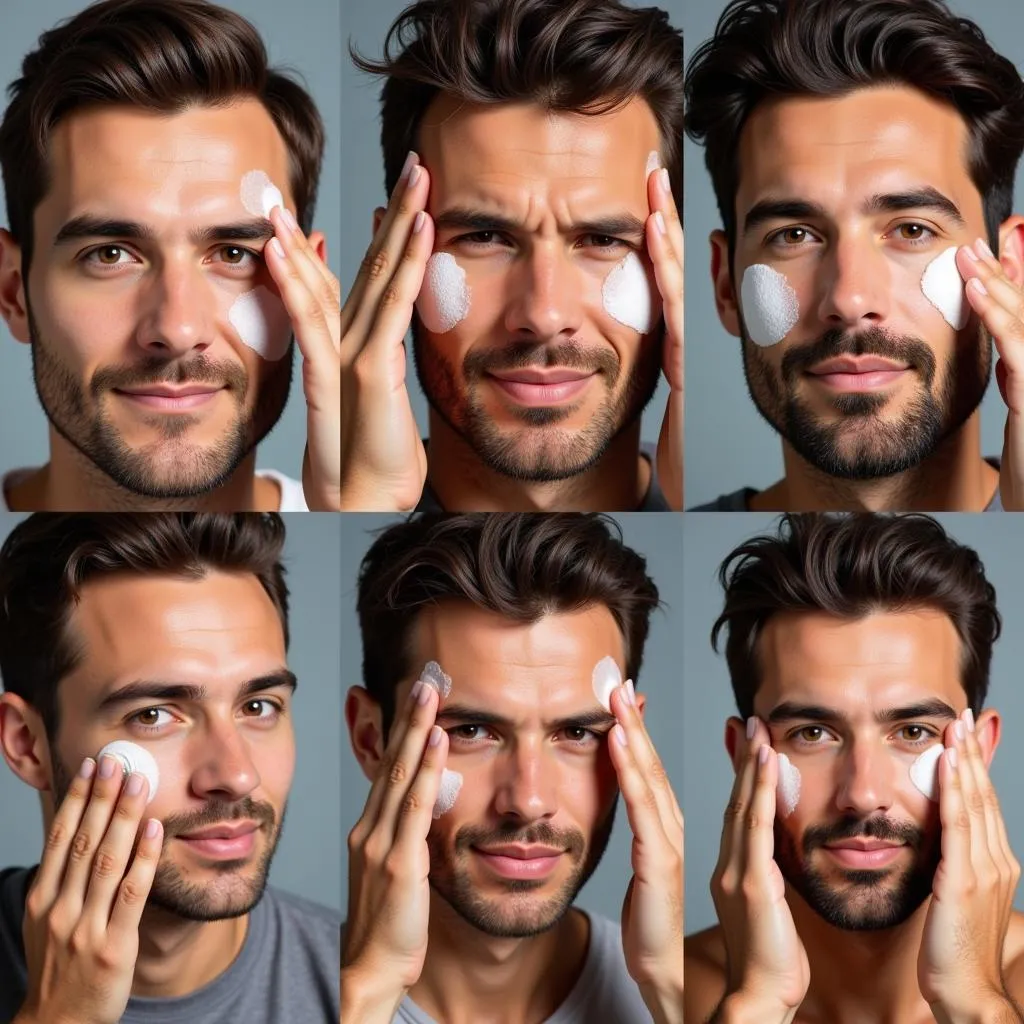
(629, 295)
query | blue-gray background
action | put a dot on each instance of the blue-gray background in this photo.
(728, 445)
(366, 25)
(707, 693)
(307, 857)
(658, 538)
(304, 36)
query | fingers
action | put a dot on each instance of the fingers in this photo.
(418, 807)
(953, 815)
(742, 793)
(134, 889)
(659, 195)
(995, 298)
(760, 819)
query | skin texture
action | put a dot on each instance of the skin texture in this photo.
(856, 269)
(224, 756)
(120, 310)
(855, 769)
(527, 779)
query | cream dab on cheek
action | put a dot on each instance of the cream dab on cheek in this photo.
(451, 782)
(134, 758)
(788, 790)
(943, 287)
(626, 295)
(259, 194)
(605, 677)
(261, 321)
(443, 302)
(770, 305)
(924, 772)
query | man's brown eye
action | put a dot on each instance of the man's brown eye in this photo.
(112, 251)
(794, 236)
(232, 254)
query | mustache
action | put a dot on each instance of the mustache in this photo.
(216, 812)
(472, 835)
(197, 370)
(871, 342)
(520, 355)
(879, 827)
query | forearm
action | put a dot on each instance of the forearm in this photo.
(665, 1004)
(365, 1003)
(738, 1008)
(998, 1009)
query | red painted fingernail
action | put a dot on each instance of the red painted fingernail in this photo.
(417, 224)
(275, 244)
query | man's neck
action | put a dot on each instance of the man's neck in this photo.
(617, 482)
(472, 978)
(178, 957)
(71, 482)
(953, 478)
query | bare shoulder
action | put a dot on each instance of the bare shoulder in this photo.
(705, 973)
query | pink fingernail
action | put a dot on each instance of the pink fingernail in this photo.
(408, 165)
(666, 183)
(951, 756)
(631, 691)
(762, 754)
(424, 694)
(87, 769)
(417, 224)
(969, 719)
(659, 221)
(414, 175)
(289, 219)
(983, 249)
(435, 736)
(971, 254)
(620, 735)
(415, 691)
(958, 730)
(152, 827)
(975, 283)
(751, 727)
(107, 766)
(275, 244)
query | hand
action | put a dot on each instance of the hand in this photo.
(1000, 304)
(666, 251)
(389, 899)
(312, 296)
(960, 965)
(652, 914)
(82, 913)
(384, 463)
(767, 963)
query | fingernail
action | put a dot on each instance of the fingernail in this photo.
(762, 754)
(134, 787)
(435, 736)
(289, 219)
(417, 224)
(975, 283)
(415, 691)
(969, 719)
(971, 254)
(659, 222)
(275, 244)
(107, 765)
(751, 727)
(663, 177)
(632, 693)
(88, 767)
(958, 730)
(983, 249)
(414, 175)
(951, 756)
(620, 735)
(424, 695)
(407, 166)
(152, 827)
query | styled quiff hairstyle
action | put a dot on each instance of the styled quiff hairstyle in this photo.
(522, 565)
(852, 566)
(765, 49)
(48, 558)
(162, 56)
(580, 56)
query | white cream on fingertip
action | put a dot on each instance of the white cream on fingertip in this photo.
(134, 758)
(943, 287)
(788, 789)
(604, 679)
(924, 772)
(769, 305)
(451, 783)
(444, 298)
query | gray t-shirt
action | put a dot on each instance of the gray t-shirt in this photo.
(285, 973)
(604, 992)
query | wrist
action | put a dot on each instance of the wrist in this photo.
(367, 1000)
(743, 1008)
(665, 1002)
(995, 1008)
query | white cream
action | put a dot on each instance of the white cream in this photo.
(261, 320)
(259, 194)
(604, 679)
(943, 287)
(444, 299)
(134, 758)
(788, 789)
(653, 162)
(626, 295)
(769, 305)
(433, 675)
(924, 772)
(451, 783)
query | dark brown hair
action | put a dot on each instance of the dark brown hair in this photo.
(584, 56)
(774, 48)
(48, 558)
(162, 56)
(522, 565)
(851, 566)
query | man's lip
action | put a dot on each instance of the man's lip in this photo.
(162, 391)
(863, 845)
(520, 852)
(225, 831)
(542, 377)
(866, 364)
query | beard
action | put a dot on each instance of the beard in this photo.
(863, 445)
(238, 885)
(171, 467)
(865, 900)
(514, 914)
(540, 451)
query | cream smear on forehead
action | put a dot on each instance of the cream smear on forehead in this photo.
(924, 772)
(436, 677)
(626, 295)
(259, 194)
(261, 320)
(770, 306)
(943, 287)
(134, 758)
(605, 677)
(443, 301)
(788, 789)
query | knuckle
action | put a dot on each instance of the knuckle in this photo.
(398, 773)
(131, 894)
(376, 264)
(962, 820)
(78, 941)
(733, 809)
(57, 836)
(754, 821)
(657, 773)
(412, 803)
(81, 846)
(105, 864)
(392, 297)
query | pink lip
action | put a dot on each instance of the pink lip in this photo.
(532, 388)
(172, 400)
(537, 862)
(223, 842)
(865, 856)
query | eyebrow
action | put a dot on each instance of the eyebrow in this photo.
(159, 690)
(468, 715)
(924, 198)
(86, 226)
(465, 218)
(789, 711)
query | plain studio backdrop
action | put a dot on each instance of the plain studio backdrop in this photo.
(708, 700)
(309, 46)
(728, 444)
(366, 25)
(658, 539)
(306, 862)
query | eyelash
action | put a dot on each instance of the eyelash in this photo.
(278, 710)
(928, 735)
(474, 237)
(87, 257)
(928, 236)
(591, 734)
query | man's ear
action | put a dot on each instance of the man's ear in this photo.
(365, 729)
(988, 729)
(13, 305)
(378, 217)
(23, 742)
(1011, 248)
(721, 279)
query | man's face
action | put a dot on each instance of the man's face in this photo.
(530, 740)
(195, 672)
(538, 209)
(142, 247)
(853, 703)
(851, 199)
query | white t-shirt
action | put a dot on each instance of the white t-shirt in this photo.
(292, 497)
